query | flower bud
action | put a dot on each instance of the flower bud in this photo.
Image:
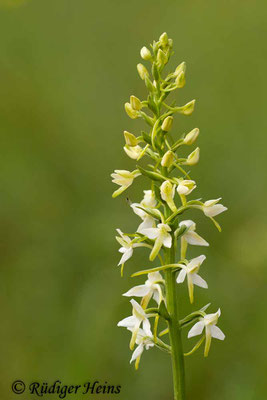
(181, 68)
(180, 80)
(162, 58)
(167, 159)
(135, 103)
(145, 53)
(163, 39)
(142, 71)
(167, 191)
(130, 111)
(191, 137)
(130, 139)
(193, 158)
(167, 124)
(189, 108)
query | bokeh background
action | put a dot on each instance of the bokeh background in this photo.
(66, 69)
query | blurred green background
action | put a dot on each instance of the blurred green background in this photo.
(66, 69)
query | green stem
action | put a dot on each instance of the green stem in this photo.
(174, 330)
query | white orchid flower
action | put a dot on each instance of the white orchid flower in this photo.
(149, 200)
(150, 289)
(144, 340)
(211, 208)
(161, 236)
(191, 236)
(191, 272)
(124, 179)
(127, 246)
(211, 330)
(134, 322)
(185, 186)
(167, 192)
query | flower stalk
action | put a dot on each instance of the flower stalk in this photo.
(164, 232)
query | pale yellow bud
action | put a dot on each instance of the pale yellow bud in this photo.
(181, 68)
(142, 71)
(145, 53)
(130, 111)
(130, 139)
(167, 159)
(167, 124)
(163, 39)
(161, 57)
(189, 108)
(180, 80)
(135, 103)
(193, 158)
(191, 137)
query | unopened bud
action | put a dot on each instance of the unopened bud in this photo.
(167, 159)
(135, 103)
(191, 137)
(181, 68)
(142, 71)
(167, 124)
(189, 108)
(130, 139)
(130, 111)
(193, 158)
(180, 80)
(163, 39)
(145, 53)
(161, 57)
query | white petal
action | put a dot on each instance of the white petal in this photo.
(137, 352)
(181, 276)
(148, 222)
(217, 333)
(197, 329)
(138, 211)
(196, 261)
(128, 322)
(154, 277)
(138, 308)
(197, 280)
(146, 327)
(139, 291)
(167, 240)
(194, 239)
(151, 233)
(128, 254)
(188, 223)
(212, 211)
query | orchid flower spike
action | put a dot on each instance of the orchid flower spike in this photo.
(211, 330)
(211, 208)
(150, 289)
(191, 272)
(127, 246)
(161, 236)
(144, 340)
(185, 186)
(191, 236)
(167, 191)
(124, 179)
(134, 322)
(149, 200)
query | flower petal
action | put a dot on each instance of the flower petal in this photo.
(137, 352)
(197, 280)
(139, 291)
(194, 239)
(128, 322)
(181, 276)
(151, 233)
(128, 254)
(217, 333)
(197, 329)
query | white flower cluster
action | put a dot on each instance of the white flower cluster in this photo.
(161, 228)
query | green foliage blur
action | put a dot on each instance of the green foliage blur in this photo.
(66, 70)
